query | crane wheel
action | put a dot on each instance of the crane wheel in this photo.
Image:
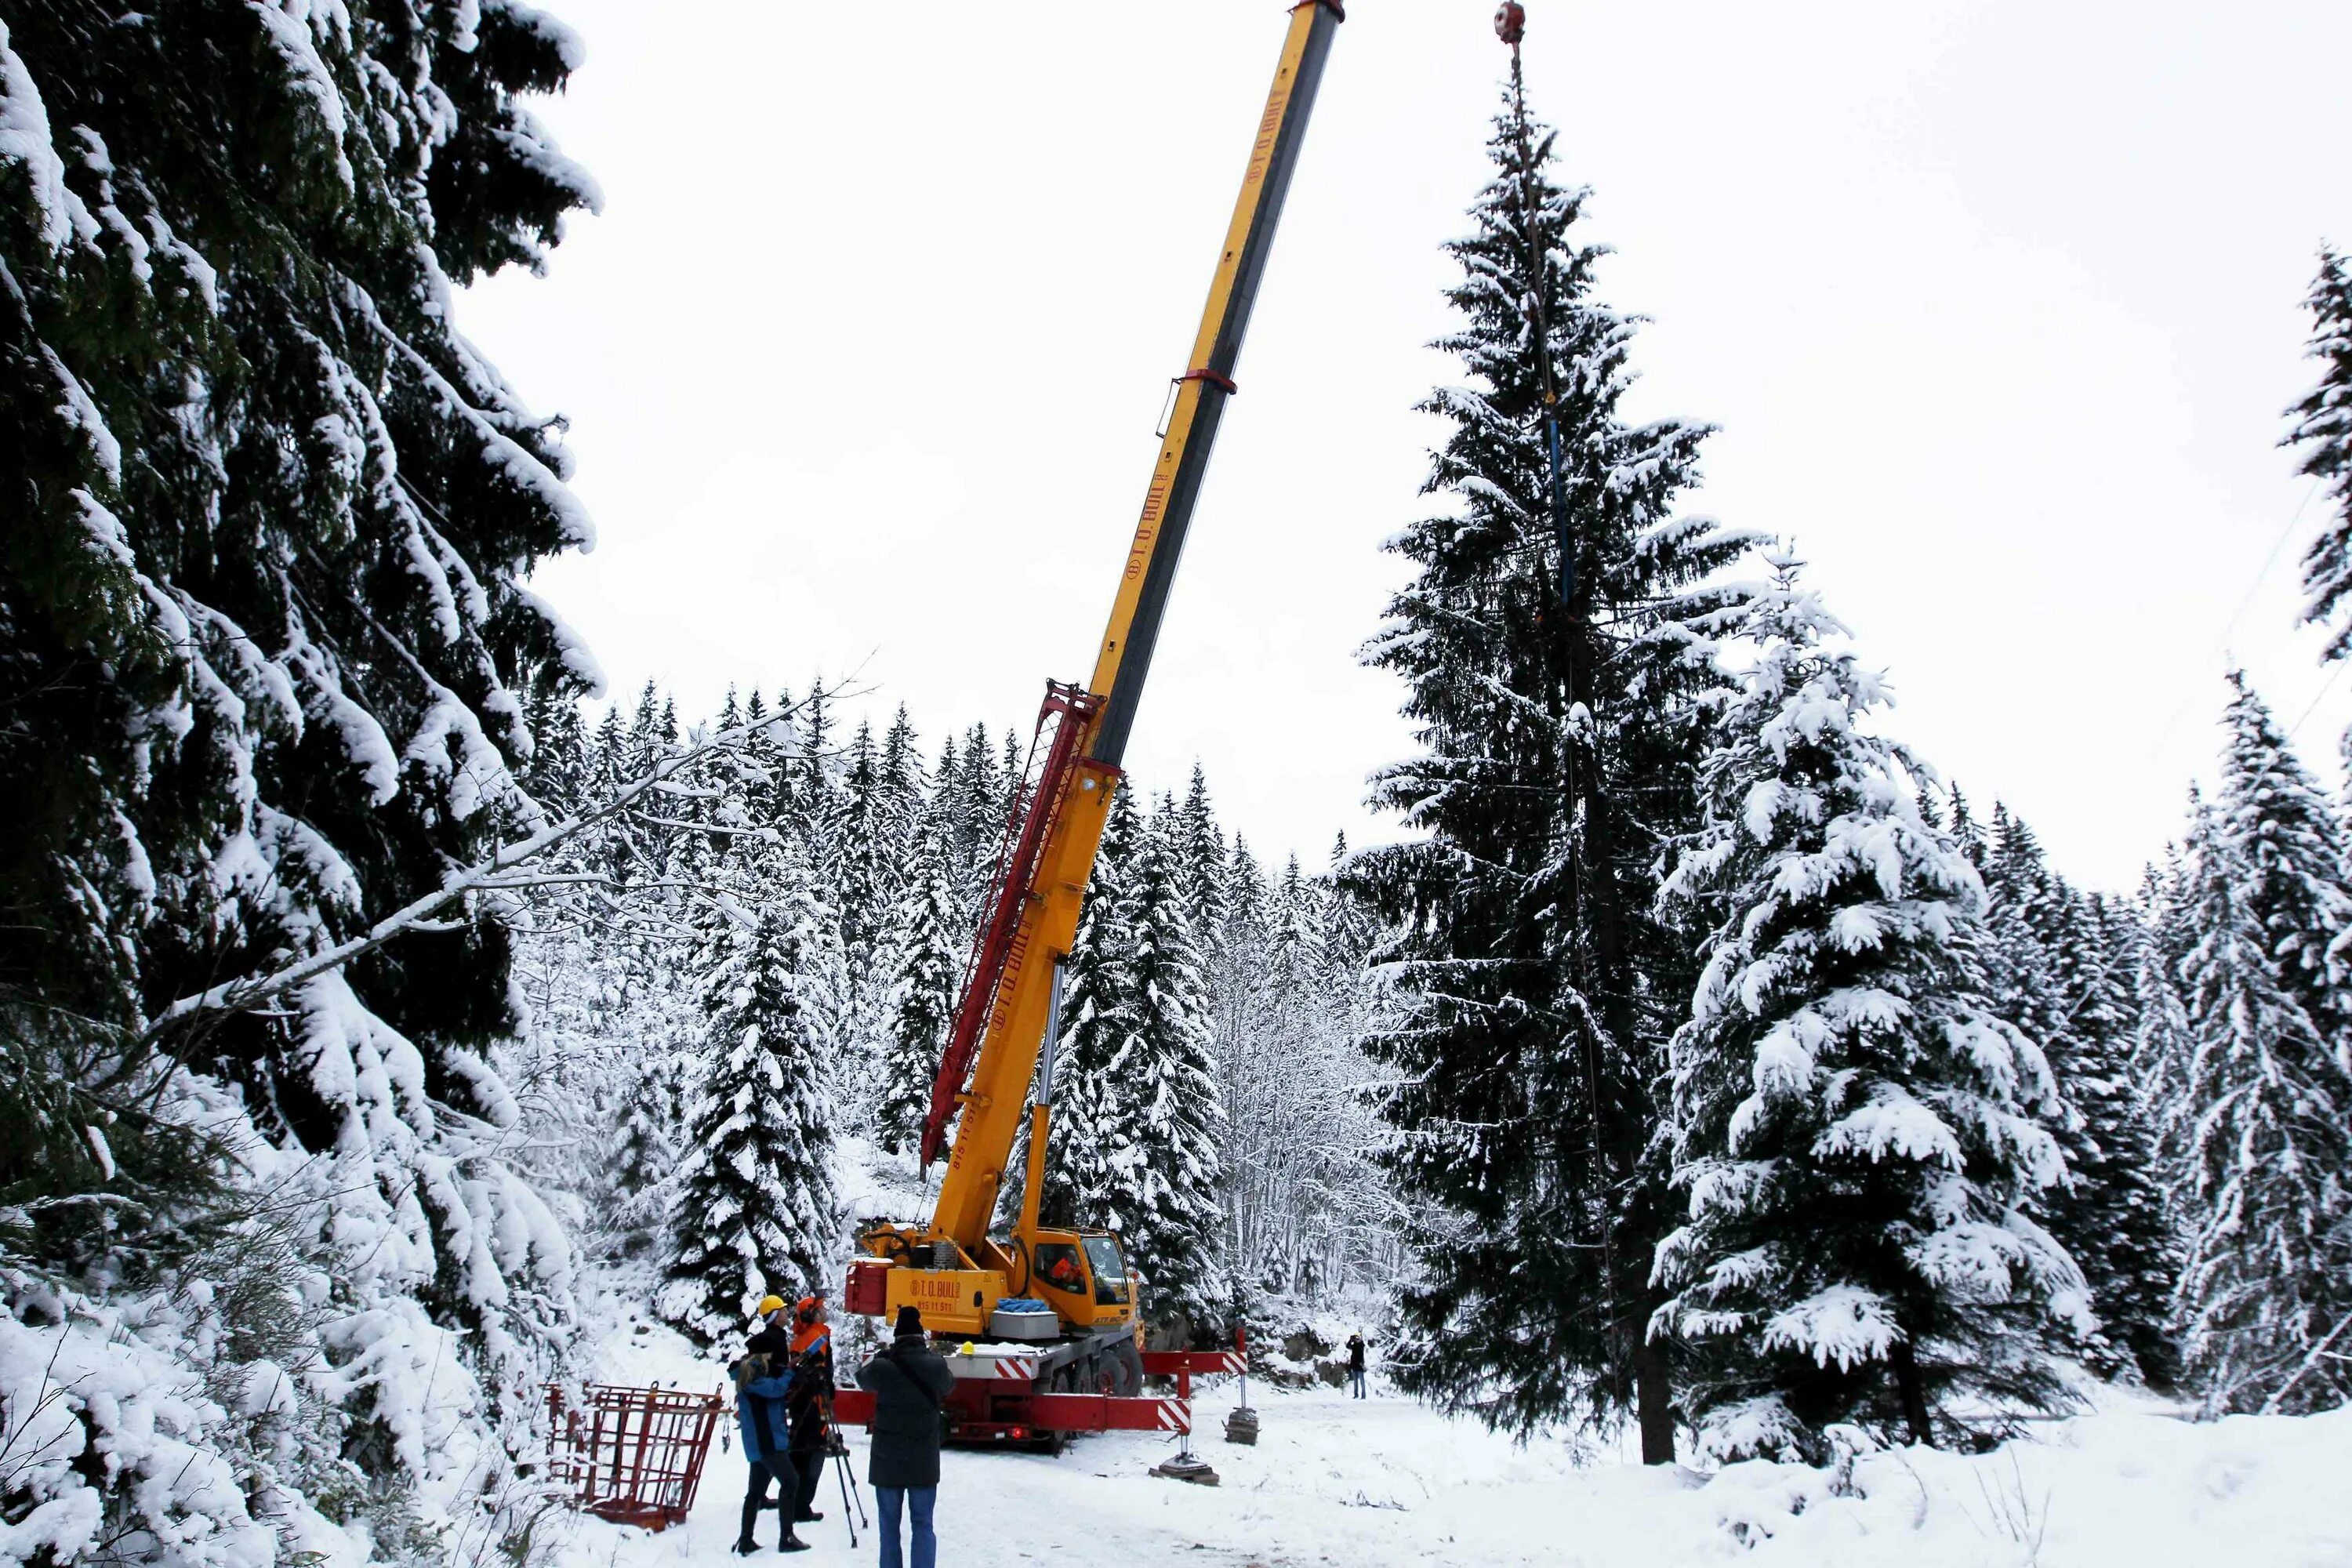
(1126, 1369)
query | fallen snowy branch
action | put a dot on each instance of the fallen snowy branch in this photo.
(493, 875)
(2319, 1353)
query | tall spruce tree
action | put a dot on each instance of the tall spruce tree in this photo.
(2278, 822)
(976, 792)
(867, 861)
(924, 972)
(2323, 429)
(899, 784)
(265, 644)
(2058, 969)
(2161, 1034)
(1159, 1120)
(2113, 1216)
(1097, 1002)
(1861, 1134)
(1555, 746)
(641, 1164)
(2261, 1131)
(754, 1209)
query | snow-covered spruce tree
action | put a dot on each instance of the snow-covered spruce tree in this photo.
(753, 1207)
(265, 519)
(974, 792)
(1265, 1085)
(2059, 969)
(866, 860)
(2116, 1202)
(1097, 1004)
(899, 777)
(1202, 866)
(1860, 1134)
(1555, 750)
(2261, 1133)
(2278, 821)
(2162, 1040)
(641, 1164)
(1159, 1122)
(925, 967)
(2323, 429)
(1238, 1002)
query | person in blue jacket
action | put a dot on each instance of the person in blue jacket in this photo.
(763, 1384)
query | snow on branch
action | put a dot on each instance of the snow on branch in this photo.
(496, 873)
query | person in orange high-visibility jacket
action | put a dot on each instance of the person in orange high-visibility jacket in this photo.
(812, 1399)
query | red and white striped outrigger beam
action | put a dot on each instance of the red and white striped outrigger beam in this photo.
(1000, 1400)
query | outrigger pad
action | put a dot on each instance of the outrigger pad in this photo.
(1187, 1468)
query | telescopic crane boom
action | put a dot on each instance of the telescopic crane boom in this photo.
(966, 1281)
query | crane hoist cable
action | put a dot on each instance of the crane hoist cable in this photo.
(1511, 27)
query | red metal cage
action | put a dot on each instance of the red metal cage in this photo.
(633, 1456)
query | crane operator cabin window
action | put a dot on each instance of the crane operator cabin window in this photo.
(1110, 1270)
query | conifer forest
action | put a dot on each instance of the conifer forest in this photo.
(392, 1010)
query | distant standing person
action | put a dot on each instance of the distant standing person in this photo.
(909, 1383)
(1356, 1362)
(764, 1385)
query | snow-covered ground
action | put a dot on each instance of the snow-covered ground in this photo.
(1384, 1481)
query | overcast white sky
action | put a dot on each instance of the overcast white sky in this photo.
(1997, 305)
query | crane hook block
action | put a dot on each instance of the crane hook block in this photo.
(1511, 22)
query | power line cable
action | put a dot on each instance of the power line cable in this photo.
(2222, 644)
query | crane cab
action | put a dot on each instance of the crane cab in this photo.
(1083, 1276)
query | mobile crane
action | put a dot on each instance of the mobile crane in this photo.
(1049, 1317)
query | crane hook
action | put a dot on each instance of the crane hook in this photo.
(1511, 22)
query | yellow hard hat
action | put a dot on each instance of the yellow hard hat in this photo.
(771, 1304)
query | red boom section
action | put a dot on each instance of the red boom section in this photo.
(1070, 709)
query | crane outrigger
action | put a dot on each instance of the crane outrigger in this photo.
(1049, 1316)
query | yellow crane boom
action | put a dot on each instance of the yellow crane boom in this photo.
(951, 1267)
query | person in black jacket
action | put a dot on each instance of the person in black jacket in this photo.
(763, 1385)
(909, 1383)
(1356, 1362)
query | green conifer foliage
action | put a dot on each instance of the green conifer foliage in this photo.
(2113, 1217)
(2323, 429)
(2059, 967)
(925, 971)
(754, 1209)
(1862, 1135)
(2261, 1131)
(1555, 751)
(1160, 1125)
(1098, 1001)
(265, 637)
(2278, 822)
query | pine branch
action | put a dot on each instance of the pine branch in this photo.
(247, 992)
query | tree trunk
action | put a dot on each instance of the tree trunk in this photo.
(1913, 1391)
(1653, 1396)
(1622, 1113)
